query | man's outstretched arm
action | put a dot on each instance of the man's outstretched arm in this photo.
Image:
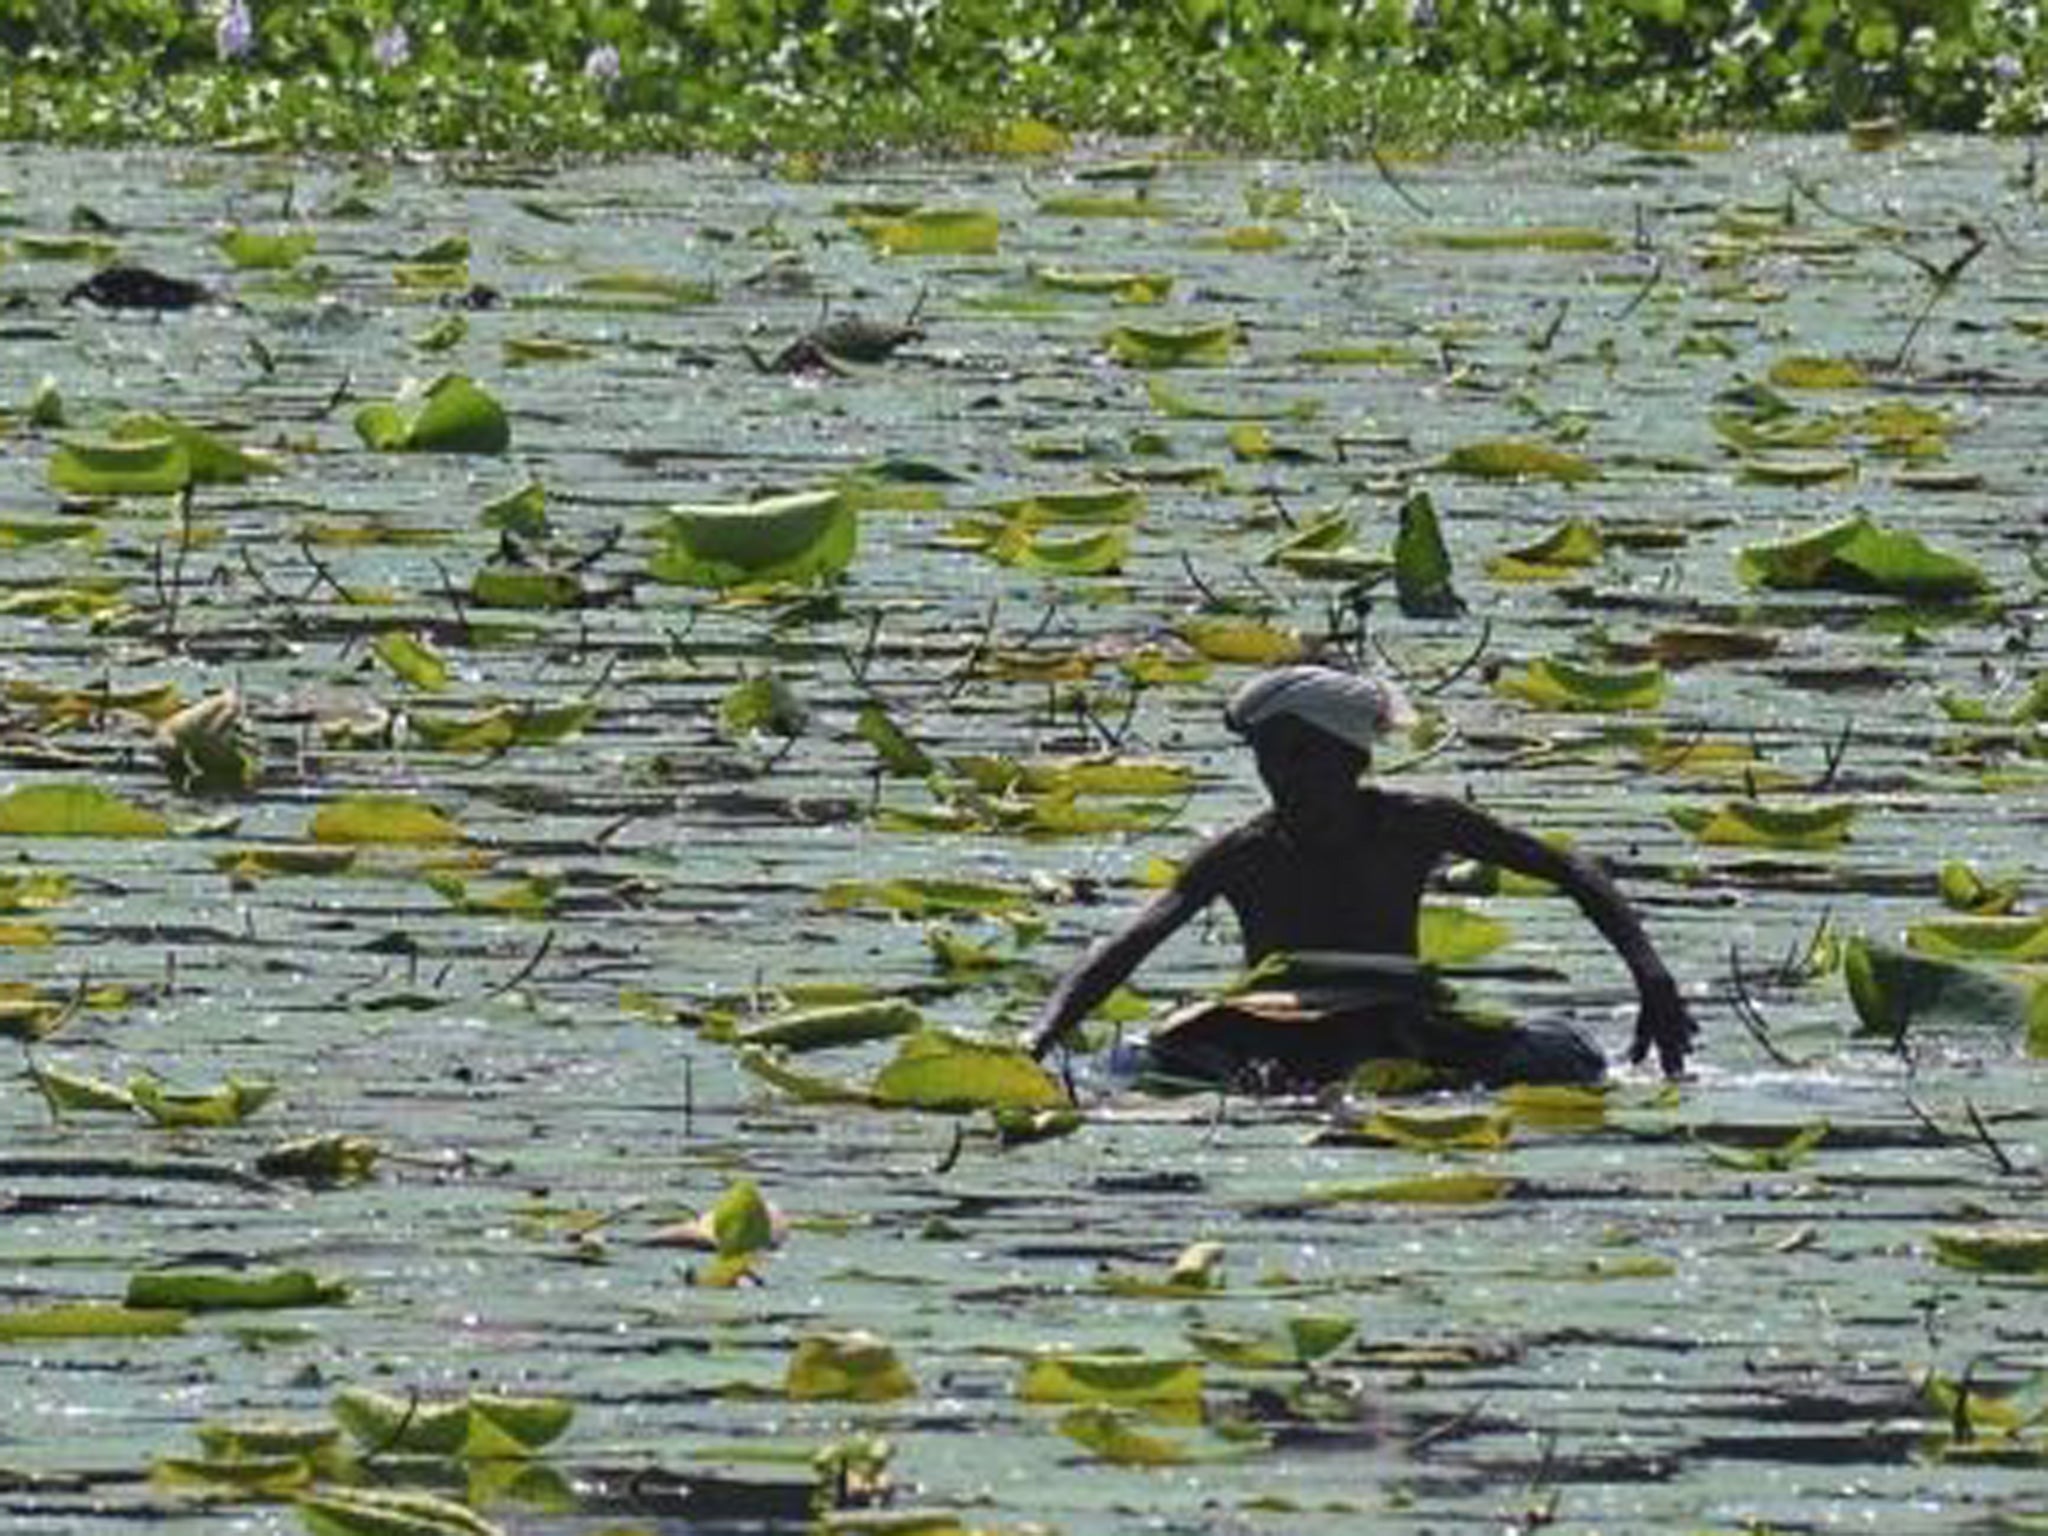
(1105, 967)
(1664, 1021)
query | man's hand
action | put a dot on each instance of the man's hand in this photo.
(1666, 1023)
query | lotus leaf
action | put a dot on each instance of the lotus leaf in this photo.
(412, 660)
(230, 1104)
(2014, 940)
(1753, 824)
(127, 466)
(1856, 555)
(1531, 237)
(935, 232)
(2014, 1250)
(809, 1029)
(1137, 346)
(1123, 1379)
(808, 536)
(1895, 990)
(212, 461)
(937, 1069)
(1516, 459)
(1422, 563)
(1572, 545)
(1805, 371)
(1097, 552)
(374, 818)
(202, 1290)
(847, 1367)
(388, 1512)
(1246, 641)
(1112, 1434)
(450, 414)
(382, 1423)
(88, 1320)
(1463, 1188)
(1550, 682)
(74, 810)
(257, 251)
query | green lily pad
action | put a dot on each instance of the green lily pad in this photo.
(204, 1290)
(1516, 459)
(74, 810)
(937, 1069)
(1856, 555)
(88, 1320)
(1896, 990)
(807, 536)
(262, 251)
(450, 414)
(1193, 346)
(335, 1511)
(2013, 1250)
(2012, 940)
(1122, 1379)
(1753, 824)
(847, 1367)
(1550, 682)
(127, 466)
(935, 232)
(809, 1029)
(373, 818)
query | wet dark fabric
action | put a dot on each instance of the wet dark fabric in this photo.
(1281, 1041)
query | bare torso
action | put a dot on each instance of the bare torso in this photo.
(1355, 887)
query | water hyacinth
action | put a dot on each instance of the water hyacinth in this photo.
(601, 65)
(392, 48)
(234, 31)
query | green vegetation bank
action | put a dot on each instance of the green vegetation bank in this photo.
(1292, 76)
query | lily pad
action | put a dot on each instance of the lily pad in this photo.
(852, 1367)
(74, 810)
(807, 536)
(1550, 682)
(1756, 824)
(1856, 555)
(937, 1069)
(450, 414)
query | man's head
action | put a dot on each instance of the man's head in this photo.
(1313, 729)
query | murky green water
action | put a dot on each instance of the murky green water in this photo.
(1639, 1337)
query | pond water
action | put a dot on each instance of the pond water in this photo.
(1647, 1329)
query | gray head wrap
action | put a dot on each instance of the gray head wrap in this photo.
(1347, 705)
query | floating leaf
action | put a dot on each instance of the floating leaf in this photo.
(1434, 1128)
(937, 1069)
(652, 287)
(1556, 1106)
(762, 705)
(205, 1290)
(809, 1029)
(1095, 553)
(1113, 1435)
(451, 414)
(808, 536)
(88, 1320)
(74, 810)
(412, 660)
(928, 896)
(1463, 1188)
(388, 1512)
(1447, 934)
(2011, 940)
(1806, 371)
(504, 585)
(1528, 237)
(230, 1104)
(1856, 555)
(523, 512)
(1755, 824)
(371, 818)
(1137, 346)
(384, 1424)
(847, 1367)
(108, 466)
(1962, 888)
(2012, 1250)
(1796, 469)
(1130, 286)
(1894, 990)
(1516, 459)
(522, 350)
(1120, 1379)
(806, 1087)
(285, 859)
(1026, 138)
(1550, 682)
(1422, 563)
(333, 1158)
(212, 460)
(1786, 1156)
(256, 250)
(900, 755)
(501, 1426)
(1251, 642)
(68, 1091)
(935, 232)
(1571, 546)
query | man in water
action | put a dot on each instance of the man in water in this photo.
(1328, 885)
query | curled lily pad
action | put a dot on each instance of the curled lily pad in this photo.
(1139, 346)
(1856, 555)
(1113, 1434)
(847, 1367)
(1517, 459)
(808, 536)
(937, 1069)
(2014, 1250)
(1754, 824)
(2014, 940)
(230, 1104)
(1895, 990)
(1125, 1379)
(450, 414)
(336, 1511)
(132, 466)
(807, 1029)
(1550, 682)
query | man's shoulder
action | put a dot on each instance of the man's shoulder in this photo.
(1419, 814)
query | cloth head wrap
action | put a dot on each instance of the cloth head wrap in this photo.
(1352, 708)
